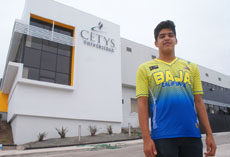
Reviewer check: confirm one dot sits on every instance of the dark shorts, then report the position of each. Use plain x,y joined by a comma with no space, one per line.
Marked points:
179,147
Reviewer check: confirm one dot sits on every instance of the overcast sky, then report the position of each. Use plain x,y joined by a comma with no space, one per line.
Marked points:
203,26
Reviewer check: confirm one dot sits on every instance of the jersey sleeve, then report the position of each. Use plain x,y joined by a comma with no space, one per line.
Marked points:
197,86
142,82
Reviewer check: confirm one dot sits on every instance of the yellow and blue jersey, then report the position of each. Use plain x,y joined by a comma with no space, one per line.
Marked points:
170,88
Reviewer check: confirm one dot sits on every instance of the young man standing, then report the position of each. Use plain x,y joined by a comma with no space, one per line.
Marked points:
169,90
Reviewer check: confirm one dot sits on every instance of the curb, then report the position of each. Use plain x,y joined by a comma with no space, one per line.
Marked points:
83,144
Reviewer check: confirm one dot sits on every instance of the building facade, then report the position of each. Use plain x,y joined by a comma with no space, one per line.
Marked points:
70,69
62,70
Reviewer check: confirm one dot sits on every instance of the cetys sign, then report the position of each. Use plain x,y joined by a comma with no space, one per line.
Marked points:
98,38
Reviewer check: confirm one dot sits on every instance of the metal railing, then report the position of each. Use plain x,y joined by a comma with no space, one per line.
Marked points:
43,33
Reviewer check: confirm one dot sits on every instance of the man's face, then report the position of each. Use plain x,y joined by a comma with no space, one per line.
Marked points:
166,40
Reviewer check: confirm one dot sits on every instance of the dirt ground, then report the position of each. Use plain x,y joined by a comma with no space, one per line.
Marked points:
6,137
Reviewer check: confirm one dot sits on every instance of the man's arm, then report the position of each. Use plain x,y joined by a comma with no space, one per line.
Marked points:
203,118
143,115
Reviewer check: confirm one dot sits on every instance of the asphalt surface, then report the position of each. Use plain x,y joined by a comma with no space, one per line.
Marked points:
132,151
114,149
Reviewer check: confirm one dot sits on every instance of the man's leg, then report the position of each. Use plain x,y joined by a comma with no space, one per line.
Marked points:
167,147
191,147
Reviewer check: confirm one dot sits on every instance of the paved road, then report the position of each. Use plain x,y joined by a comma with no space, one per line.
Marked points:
130,151
127,149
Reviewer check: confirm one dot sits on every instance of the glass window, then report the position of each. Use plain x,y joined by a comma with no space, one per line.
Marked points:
63,30
36,43
41,24
228,110
203,83
64,50
128,49
32,57
47,79
206,106
36,24
33,42
48,26
63,64
28,41
48,61
62,78
19,56
49,46
134,105
216,109
47,74
153,57
33,73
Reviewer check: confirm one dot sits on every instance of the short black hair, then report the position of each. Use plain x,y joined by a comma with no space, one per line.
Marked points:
164,24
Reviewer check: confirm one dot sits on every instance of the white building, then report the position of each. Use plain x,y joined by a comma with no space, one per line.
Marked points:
69,68
63,69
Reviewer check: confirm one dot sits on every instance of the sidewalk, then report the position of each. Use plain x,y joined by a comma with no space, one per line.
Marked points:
220,138
222,141
223,144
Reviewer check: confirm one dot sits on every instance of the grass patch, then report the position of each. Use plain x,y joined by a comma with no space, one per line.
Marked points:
3,140
105,146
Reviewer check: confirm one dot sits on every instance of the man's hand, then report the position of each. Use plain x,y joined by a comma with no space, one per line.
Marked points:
143,116
211,146
203,118
150,148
